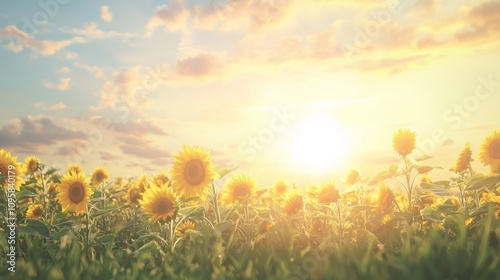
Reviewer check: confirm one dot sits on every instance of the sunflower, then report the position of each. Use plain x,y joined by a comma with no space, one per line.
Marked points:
240,187
352,177
52,188
142,182
160,178
99,175
192,171
8,164
279,188
134,195
35,211
464,159
159,203
386,200
328,194
183,227
74,192
489,153
425,179
73,167
403,141
293,203
31,165
311,192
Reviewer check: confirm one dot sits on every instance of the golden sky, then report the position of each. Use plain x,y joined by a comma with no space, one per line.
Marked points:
302,90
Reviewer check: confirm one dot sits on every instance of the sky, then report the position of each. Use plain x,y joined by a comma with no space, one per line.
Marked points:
294,89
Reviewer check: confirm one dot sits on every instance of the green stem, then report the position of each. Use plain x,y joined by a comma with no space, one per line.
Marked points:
215,202
410,190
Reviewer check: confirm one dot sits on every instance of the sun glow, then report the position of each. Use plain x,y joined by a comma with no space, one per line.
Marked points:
319,144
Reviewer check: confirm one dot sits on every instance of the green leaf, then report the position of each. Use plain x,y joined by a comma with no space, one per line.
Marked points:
482,183
222,226
25,194
423,157
424,169
382,176
35,227
150,247
50,171
366,238
436,189
224,171
191,210
481,210
106,211
431,214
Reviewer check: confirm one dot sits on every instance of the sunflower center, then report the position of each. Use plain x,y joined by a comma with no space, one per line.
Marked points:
33,166
194,172
163,207
241,191
76,192
99,176
38,212
494,149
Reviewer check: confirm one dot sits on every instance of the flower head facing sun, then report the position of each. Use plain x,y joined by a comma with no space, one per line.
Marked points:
192,171
74,192
134,195
293,203
328,194
159,204
403,141
385,199
10,168
31,165
100,175
489,152
279,188
184,227
352,177
160,178
35,211
239,188
73,168
464,159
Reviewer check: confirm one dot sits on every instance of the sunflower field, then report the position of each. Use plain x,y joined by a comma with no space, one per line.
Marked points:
196,221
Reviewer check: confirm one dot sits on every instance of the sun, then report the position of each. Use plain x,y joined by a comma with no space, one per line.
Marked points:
318,144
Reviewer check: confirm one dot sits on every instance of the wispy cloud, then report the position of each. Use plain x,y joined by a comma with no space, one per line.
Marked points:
62,85
106,14
24,40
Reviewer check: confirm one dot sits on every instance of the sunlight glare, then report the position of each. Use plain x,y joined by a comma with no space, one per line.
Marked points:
319,144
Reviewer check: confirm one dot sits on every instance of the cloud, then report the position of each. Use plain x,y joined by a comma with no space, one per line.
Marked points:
62,85
106,14
140,148
108,156
34,133
92,31
171,17
53,107
24,40
137,127
98,72
64,70
199,65
131,86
